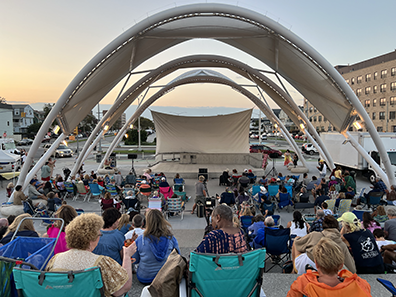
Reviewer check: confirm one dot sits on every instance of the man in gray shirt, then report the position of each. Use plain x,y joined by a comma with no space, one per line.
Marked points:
390,225
33,193
200,192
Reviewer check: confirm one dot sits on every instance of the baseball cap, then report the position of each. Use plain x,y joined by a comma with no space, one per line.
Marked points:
348,217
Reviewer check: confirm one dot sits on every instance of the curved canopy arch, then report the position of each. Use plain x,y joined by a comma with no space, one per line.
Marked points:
287,54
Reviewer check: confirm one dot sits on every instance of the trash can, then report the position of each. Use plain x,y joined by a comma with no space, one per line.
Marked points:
113,161
98,157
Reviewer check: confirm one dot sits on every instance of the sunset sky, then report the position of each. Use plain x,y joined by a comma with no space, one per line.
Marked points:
44,44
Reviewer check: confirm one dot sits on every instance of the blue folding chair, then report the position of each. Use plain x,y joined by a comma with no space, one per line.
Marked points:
388,285
289,189
359,214
31,283
246,221
95,191
71,190
374,199
270,207
284,200
277,220
277,244
112,190
178,181
273,190
255,189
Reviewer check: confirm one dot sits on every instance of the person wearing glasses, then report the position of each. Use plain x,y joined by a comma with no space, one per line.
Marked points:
82,236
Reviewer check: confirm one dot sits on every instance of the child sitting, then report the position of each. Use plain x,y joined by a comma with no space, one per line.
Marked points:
326,210
138,226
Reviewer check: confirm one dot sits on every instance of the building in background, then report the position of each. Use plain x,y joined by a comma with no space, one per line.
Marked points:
39,116
123,119
6,123
374,83
23,117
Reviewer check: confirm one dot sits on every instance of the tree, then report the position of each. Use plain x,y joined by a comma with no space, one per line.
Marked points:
133,137
88,123
3,100
47,108
145,123
33,129
117,125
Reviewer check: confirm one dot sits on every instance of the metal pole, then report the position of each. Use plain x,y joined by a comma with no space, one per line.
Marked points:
259,126
139,146
78,149
100,139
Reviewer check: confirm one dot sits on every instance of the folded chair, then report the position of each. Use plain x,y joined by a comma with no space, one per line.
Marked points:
32,283
388,285
277,243
226,275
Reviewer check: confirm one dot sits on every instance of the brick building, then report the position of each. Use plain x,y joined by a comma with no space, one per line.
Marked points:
374,83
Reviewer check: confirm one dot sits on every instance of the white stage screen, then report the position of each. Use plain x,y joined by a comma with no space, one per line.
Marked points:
218,134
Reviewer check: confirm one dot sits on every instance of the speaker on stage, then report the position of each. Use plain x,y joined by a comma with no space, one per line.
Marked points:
132,156
205,175
203,170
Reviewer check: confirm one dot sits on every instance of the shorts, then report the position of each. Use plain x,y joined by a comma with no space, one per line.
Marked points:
46,178
200,199
301,261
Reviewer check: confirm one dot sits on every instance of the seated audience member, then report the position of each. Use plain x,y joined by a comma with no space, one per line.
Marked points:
350,193
225,238
369,223
332,182
108,202
306,179
101,188
33,193
259,240
242,197
154,246
82,236
298,226
302,250
364,249
349,181
251,176
67,213
138,226
86,180
245,210
333,193
3,227
338,174
380,214
106,179
379,236
147,175
243,181
163,183
130,179
317,224
26,229
257,223
227,197
93,175
112,240
313,183
390,225
321,188
320,199
386,247
19,196
328,280
131,201
326,211
391,195
118,178
339,198
10,189
123,224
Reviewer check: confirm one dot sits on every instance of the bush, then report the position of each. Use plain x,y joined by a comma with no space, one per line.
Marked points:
133,137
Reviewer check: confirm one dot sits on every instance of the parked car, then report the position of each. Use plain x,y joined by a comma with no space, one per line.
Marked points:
259,148
61,151
46,139
254,136
263,137
308,148
25,141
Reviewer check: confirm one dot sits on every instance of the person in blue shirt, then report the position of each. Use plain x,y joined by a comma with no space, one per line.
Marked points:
227,197
259,240
112,240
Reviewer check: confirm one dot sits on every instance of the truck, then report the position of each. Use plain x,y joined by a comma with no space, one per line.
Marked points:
346,156
8,145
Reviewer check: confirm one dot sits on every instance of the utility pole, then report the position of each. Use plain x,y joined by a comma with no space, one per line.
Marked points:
100,140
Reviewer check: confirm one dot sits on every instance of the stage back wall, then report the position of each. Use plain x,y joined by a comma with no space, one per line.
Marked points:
217,134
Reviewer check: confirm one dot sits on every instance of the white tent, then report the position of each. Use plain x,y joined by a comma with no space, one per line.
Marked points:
7,157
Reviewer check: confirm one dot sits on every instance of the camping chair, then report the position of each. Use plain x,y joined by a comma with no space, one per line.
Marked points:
30,283
284,200
255,189
359,214
277,220
156,181
246,221
345,205
289,189
388,285
183,195
223,179
273,190
70,189
113,191
178,181
175,207
331,204
145,190
95,191
216,275
81,191
155,203
166,191
270,207
277,244
374,199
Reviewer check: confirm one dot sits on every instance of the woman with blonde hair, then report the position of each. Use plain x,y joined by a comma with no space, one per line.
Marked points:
368,259
67,213
26,229
154,247
123,224
82,236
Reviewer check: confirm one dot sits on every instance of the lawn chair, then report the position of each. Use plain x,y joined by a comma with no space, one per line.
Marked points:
331,204
255,189
388,285
183,195
277,244
345,205
156,181
277,220
81,191
246,221
374,199
166,191
31,283
289,189
359,214
217,275
155,203
178,182
71,191
284,200
175,206
270,207
273,190
95,191
113,191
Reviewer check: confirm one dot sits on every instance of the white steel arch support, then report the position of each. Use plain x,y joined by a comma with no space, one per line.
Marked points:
207,79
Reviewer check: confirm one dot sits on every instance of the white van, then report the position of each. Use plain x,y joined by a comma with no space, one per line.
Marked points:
8,145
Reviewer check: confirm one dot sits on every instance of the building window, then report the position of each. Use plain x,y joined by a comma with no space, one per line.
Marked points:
324,119
393,86
315,110
358,92
375,75
334,129
16,111
367,90
374,102
314,118
347,81
383,101
383,73
319,118
359,79
367,103
392,115
392,100
393,71
8,123
380,129
393,128
322,128
310,119
383,88
382,115
352,81
310,109
375,89
368,77
373,117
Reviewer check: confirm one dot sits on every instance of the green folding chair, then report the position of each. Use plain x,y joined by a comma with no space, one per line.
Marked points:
225,275
32,283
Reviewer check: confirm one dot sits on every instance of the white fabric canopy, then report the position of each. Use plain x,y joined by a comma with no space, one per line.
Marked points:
218,134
